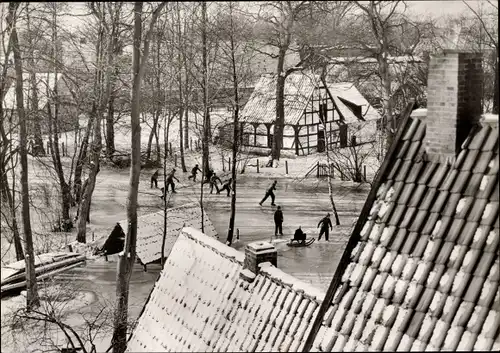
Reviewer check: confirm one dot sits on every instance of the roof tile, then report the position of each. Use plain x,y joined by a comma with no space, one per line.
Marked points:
439,176
439,333
442,227
406,193
405,145
462,156
470,160
397,214
387,235
430,225
491,142
395,167
415,324
461,181
449,180
409,243
446,281
451,205
393,340
417,195
482,161
410,129
490,213
479,137
408,217
428,200
427,328
435,276
415,172
403,171
450,308
419,249
429,171
419,134
467,233
473,185
418,221
467,341
399,264
492,241
437,304
440,201
412,151
452,338
425,300
477,319
368,278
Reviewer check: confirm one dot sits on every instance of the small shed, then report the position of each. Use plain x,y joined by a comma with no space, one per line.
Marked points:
314,114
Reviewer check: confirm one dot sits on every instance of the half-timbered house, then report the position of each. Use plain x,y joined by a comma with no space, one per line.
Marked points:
315,115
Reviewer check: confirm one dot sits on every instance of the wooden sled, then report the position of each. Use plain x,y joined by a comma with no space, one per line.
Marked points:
297,243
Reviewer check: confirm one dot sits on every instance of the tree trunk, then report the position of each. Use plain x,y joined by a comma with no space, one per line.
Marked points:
82,156
32,298
496,93
230,232
206,126
182,97
280,108
127,257
110,126
37,148
84,207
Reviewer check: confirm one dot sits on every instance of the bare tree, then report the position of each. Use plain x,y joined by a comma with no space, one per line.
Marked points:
127,258
32,297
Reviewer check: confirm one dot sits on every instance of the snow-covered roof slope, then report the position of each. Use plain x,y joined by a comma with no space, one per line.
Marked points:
424,272
200,303
150,230
348,92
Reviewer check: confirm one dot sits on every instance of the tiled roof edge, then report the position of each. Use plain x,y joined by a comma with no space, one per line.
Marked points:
215,245
353,240
277,275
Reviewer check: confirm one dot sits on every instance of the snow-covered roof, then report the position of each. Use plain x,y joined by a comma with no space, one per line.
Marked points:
299,87
261,106
201,303
44,81
424,270
150,230
347,91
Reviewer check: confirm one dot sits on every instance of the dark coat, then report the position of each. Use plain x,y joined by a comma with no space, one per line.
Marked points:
325,223
278,216
271,188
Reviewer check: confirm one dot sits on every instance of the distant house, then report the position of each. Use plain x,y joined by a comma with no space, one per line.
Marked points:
314,114
421,269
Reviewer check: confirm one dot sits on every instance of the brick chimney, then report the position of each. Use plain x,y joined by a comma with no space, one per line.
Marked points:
259,252
454,92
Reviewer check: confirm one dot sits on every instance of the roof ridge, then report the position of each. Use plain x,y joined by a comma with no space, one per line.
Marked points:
279,276
213,244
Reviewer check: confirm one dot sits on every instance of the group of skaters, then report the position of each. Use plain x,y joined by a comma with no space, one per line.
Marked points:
325,224
211,178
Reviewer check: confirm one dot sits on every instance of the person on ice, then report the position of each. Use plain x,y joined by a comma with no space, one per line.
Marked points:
213,182
208,175
227,186
194,171
154,179
326,225
278,221
170,181
270,192
299,235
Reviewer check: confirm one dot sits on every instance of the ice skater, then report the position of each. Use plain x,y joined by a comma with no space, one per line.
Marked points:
154,179
213,182
326,225
170,181
194,171
278,221
270,192
227,186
